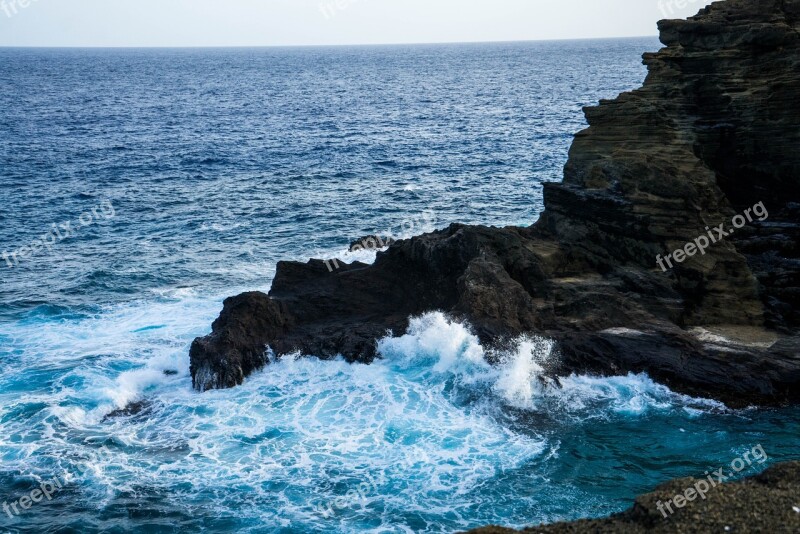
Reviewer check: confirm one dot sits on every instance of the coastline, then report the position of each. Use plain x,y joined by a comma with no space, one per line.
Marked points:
705,141
695,150
767,502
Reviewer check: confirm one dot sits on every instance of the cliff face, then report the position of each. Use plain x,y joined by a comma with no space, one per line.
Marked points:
712,134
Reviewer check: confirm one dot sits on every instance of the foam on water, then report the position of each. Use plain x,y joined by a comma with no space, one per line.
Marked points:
303,428
423,440
452,349
519,380
429,439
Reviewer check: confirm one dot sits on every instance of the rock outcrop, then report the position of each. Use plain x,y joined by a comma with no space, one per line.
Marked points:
712,133
769,502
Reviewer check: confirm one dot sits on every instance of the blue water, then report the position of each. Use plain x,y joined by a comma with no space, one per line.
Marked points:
185,176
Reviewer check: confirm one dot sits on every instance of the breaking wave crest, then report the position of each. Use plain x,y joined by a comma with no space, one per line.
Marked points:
429,438
435,346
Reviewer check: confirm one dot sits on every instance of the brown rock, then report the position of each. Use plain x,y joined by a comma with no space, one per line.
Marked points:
764,503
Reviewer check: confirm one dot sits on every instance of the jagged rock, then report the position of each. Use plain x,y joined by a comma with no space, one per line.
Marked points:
142,407
711,134
765,503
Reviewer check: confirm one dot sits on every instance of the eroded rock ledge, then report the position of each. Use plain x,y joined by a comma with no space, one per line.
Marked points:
769,502
713,131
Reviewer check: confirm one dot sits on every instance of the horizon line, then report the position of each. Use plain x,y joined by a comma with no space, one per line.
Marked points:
430,43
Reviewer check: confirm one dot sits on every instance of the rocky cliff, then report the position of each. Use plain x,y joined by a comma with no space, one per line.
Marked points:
712,134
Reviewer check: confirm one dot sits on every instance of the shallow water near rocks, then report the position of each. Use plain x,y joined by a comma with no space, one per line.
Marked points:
218,163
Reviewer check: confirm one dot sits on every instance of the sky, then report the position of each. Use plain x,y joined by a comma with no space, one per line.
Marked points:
325,22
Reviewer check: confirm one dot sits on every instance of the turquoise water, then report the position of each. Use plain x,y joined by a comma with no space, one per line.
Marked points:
217,163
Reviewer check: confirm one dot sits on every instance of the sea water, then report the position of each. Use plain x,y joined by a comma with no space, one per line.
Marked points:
195,171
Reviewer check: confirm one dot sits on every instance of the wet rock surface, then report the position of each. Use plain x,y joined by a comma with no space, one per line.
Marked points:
769,502
712,133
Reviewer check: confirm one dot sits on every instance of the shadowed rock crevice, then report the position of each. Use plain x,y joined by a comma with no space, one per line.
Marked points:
711,133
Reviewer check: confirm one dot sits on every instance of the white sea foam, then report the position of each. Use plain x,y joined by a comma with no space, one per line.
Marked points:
417,431
519,380
449,345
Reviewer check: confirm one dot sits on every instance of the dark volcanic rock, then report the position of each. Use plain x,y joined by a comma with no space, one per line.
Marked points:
711,134
132,409
769,502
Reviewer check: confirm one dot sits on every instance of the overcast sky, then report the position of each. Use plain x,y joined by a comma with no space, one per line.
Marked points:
317,22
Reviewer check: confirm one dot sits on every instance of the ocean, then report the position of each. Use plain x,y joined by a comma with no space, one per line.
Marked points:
140,187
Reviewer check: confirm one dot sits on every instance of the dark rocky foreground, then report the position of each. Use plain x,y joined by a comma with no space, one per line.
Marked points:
714,131
769,502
